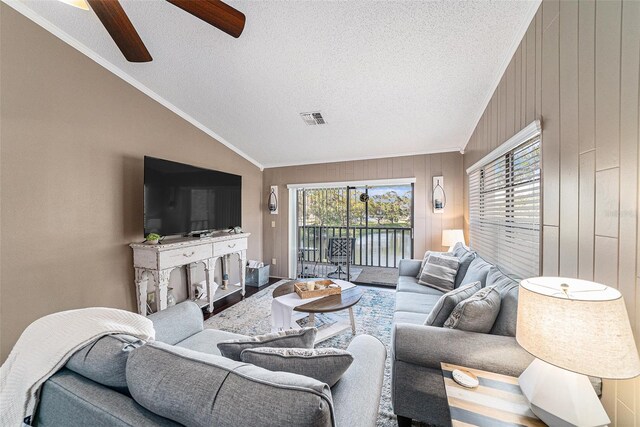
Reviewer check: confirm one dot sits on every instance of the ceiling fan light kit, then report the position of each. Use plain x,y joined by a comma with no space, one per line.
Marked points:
125,36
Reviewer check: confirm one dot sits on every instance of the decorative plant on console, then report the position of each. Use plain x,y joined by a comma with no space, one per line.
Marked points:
153,238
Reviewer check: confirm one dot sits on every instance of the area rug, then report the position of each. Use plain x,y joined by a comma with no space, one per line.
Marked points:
373,315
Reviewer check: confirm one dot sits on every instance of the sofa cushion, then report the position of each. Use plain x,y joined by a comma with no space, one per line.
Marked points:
68,399
465,261
477,313
198,389
409,317
439,272
477,272
506,321
324,364
410,284
207,340
291,338
449,301
416,303
104,360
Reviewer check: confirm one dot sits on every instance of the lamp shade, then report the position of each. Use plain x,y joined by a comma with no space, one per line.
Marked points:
451,237
577,325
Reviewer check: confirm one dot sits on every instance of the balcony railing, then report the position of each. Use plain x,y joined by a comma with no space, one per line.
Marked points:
374,246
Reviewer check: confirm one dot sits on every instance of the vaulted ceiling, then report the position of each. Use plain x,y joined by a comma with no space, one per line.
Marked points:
390,77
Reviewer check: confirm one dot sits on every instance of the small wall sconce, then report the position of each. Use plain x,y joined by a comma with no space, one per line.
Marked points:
439,198
273,200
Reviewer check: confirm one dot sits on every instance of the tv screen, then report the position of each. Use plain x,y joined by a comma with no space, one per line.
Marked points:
184,199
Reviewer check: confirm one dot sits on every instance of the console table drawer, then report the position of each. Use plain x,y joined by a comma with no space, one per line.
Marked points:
230,246
176,257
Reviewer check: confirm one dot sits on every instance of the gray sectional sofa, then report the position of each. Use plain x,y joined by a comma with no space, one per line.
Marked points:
417,350
182,379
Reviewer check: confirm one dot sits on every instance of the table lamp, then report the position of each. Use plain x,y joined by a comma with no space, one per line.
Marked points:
574,328
451,237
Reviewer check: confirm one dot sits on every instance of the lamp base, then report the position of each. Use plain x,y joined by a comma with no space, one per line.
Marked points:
560,397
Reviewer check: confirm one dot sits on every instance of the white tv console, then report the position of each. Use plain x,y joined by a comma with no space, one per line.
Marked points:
155,263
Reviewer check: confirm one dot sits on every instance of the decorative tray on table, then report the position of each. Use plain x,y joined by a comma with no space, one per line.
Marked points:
316,288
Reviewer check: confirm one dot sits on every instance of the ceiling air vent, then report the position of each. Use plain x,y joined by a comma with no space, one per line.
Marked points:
313,119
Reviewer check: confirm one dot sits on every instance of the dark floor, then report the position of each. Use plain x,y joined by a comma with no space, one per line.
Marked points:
235,298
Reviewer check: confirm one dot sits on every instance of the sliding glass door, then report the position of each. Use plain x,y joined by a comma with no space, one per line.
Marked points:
353,233
325,245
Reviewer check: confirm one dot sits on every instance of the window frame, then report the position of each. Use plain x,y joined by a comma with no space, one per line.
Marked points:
507,150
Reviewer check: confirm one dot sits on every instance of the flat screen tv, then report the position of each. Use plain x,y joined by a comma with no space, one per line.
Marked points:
183,199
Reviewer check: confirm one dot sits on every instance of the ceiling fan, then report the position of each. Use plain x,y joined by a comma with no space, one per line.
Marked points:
115,20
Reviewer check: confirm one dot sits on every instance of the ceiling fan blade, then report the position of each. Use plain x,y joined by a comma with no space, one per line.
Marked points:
117,23
219,14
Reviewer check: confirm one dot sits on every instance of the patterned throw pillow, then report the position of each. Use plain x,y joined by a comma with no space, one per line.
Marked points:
426,257
291,338
323,364
448,302
477,313
439,272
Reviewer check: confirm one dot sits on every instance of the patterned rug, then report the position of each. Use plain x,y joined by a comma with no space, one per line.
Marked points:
373,315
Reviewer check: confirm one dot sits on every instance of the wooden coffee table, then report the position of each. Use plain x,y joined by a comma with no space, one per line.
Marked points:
329,304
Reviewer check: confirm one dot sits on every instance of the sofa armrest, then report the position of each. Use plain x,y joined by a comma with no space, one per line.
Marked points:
429,345
409,267
177,323
357,395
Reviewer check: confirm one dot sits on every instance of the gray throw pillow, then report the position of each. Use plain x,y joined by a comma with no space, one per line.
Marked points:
477,272
465,261
105,360
426,257
291,338
439,272
506,321
324,364
449,301
459,249
477,313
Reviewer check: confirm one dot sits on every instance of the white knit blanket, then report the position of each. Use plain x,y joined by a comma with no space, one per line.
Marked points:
46,345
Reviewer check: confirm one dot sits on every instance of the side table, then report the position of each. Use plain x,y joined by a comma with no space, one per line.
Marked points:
498,400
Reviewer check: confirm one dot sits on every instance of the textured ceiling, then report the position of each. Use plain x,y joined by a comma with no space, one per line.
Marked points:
390,78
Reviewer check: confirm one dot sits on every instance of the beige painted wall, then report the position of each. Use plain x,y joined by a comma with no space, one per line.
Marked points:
428,226
73,139
578,69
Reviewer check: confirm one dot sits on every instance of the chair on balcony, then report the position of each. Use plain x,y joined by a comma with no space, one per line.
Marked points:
338,251
310,256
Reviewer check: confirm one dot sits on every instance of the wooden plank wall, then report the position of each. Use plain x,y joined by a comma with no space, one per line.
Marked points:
428,226
577,68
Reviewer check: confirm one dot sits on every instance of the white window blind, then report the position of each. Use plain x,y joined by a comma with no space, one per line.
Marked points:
504,209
